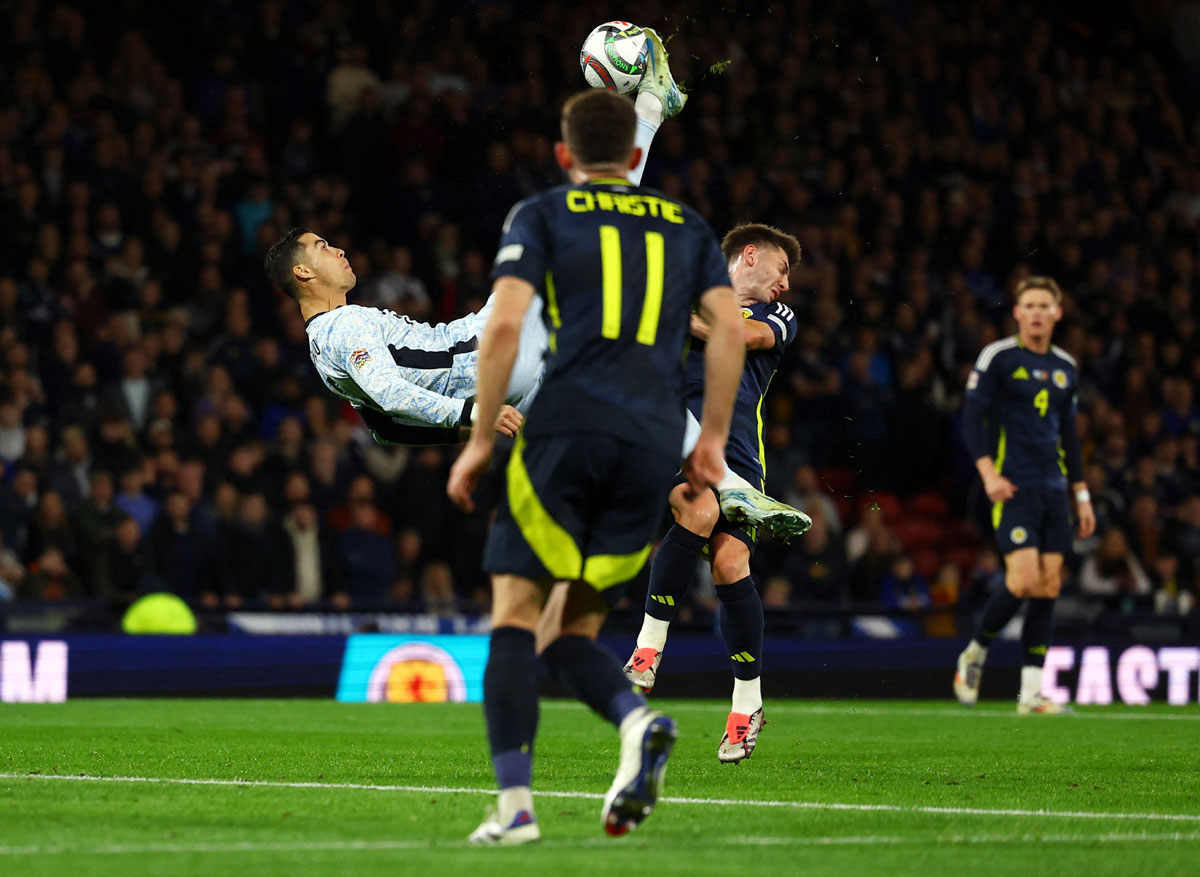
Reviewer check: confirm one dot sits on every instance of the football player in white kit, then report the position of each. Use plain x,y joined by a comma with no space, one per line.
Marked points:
414,384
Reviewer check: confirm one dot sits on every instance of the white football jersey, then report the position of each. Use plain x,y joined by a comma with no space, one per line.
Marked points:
415,373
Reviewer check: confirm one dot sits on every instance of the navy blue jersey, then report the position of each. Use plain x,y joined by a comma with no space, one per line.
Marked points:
618,317
1020,410
745,446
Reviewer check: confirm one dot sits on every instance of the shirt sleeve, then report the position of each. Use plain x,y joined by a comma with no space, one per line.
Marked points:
782,321
981,392
522,251
362,355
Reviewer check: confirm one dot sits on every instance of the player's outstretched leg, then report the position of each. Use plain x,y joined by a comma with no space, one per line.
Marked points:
742,503
658,80
745,505
671,573
647,737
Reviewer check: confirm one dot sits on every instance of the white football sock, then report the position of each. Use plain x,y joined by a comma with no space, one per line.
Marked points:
1031,683
975,652
747,695
512,801
649,111
653,634
733,481
634,716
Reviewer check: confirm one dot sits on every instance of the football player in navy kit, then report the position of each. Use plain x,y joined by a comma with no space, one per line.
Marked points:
619,270
760,258
1019,427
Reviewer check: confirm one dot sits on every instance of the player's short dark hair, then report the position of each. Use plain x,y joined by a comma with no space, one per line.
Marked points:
598,126
1046,283
284,255
741,236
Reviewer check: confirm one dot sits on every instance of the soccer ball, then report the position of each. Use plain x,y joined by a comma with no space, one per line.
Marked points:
614,56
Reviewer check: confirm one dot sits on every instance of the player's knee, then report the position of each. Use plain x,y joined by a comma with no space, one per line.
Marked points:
1049,585
703,520
729,566
1023,584
698,514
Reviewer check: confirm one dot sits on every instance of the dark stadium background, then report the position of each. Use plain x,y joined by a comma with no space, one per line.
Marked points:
928,155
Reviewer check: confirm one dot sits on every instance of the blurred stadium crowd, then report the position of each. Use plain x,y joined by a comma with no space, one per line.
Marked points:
161,426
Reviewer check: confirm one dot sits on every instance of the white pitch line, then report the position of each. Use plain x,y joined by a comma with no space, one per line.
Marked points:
951,712
964,712
718,802
389,845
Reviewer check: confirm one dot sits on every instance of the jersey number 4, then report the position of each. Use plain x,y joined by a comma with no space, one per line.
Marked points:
1042,401
610,264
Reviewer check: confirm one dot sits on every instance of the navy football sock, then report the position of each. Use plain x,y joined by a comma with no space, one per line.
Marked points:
593,675
742,627
998,612
1035,634
671,572
510,704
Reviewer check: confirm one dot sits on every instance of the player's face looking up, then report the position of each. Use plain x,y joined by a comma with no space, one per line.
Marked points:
324,263
1036,312
760,273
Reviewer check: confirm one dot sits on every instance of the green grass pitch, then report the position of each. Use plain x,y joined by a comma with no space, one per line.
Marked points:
129,787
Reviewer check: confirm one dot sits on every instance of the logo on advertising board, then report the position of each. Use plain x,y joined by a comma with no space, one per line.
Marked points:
382,668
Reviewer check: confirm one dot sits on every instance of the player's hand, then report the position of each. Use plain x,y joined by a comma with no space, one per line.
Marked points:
509,422
699,328
1000,489
704,466
1087,519
465,473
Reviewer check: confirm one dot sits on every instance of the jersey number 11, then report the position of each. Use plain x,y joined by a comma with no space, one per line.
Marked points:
610,264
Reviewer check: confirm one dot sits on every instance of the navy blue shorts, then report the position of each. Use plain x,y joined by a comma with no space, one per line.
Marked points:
579,506
1037,517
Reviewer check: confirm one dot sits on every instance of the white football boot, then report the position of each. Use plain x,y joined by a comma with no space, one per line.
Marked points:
646,740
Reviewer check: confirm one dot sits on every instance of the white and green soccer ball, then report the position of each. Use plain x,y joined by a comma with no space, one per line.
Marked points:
614,56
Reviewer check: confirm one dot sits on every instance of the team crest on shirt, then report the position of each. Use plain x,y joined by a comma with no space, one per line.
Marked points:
360,358
1060,379
1018,535
747,313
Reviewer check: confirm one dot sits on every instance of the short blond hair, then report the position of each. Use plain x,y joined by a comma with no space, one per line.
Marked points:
1047,283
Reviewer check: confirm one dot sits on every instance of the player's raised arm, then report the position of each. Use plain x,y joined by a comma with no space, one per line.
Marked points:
756,334
497,353
369,367
724,358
